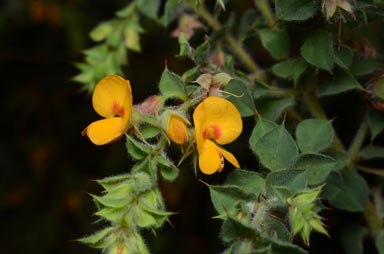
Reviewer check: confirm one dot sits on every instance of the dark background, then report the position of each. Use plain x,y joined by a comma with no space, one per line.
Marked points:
45,163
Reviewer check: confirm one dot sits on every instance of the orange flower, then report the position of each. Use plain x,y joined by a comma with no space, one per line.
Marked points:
216,119
112,99
177,130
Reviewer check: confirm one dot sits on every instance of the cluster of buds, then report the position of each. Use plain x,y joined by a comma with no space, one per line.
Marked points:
213,84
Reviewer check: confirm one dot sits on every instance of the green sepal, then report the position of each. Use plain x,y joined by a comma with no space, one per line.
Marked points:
137,149
167,169
96,237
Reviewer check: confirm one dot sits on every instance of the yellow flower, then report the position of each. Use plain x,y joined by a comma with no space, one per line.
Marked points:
218,119
112,99
177,130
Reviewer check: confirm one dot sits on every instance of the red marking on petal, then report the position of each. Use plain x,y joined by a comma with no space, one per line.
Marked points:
117,109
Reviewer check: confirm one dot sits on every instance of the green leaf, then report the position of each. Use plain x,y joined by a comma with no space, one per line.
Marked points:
171,85
137,149
282,193
111,214
314,135
363,67
149,131
317,167
375,123
277,229
299,67
112,202
97,237
167,169
277,149
149,7
261,128
261,88
294,180
272,108
202,53
283,69
100,32
332,185
250,182
114,37
290,10
352,238
244,103
111,182
225,197
281,247
379,241
343,58
277,42
126,12
341,81
372,152
353,193
318,50
185,48
172,9
233,228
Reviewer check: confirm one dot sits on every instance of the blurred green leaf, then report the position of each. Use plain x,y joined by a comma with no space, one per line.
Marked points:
233,229
185,48
283,69
379,242
137,149
294,180
167,169
375,123
202,53
299,67
343,58
97,237
372,152
363,67
353,193
149,7
276,149
314,135
341,81
291,10
352,238
277,42
318,50
101,31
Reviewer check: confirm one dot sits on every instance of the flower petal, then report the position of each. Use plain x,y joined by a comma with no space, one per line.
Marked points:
217,118
113,96
105,131
209,158
177,130
229,157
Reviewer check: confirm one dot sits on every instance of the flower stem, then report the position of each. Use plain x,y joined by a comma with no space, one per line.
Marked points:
358,140
373,171
266,11
235,45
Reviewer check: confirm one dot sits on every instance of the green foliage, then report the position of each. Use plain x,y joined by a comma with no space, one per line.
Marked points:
318,50
171,85
276,42
314,135
241,97
291,10
372,152
340,82
375,123
276,149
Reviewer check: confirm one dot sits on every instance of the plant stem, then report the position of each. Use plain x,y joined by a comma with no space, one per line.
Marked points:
318,112
373,171
235,45
358,140
266,11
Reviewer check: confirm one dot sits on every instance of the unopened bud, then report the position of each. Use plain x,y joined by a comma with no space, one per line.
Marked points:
205,80
222,79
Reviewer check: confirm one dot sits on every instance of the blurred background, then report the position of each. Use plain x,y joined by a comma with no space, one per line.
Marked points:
46,165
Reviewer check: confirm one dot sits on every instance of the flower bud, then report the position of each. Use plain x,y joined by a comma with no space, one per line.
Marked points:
177,130
330,6
149,106
205,80
222,79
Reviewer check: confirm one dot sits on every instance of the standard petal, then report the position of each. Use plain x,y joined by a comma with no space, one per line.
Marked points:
217,118
105,131
229,157
113,96
209,158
